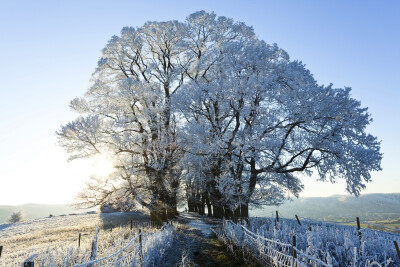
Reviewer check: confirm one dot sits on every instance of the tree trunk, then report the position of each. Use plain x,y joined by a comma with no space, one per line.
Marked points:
163,214
228,213
154,217
190,205
201,209
237,214
218,211
244,210
172,213
202,204
158,212
158,215
209,211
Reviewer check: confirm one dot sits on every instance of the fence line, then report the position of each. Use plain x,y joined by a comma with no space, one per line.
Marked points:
266,245
279,257
37,250
112,255
135,224
122,249
396,231
311,257
260,237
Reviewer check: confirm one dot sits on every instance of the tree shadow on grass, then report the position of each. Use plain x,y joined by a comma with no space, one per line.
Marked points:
124,219
4,226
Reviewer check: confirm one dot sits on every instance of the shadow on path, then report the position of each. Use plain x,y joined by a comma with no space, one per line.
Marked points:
196,245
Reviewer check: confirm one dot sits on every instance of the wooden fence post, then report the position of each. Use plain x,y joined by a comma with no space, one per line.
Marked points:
93,253
294,250
397,248
1,249
359,228
140,246
29,262
297,218
277,216
79,240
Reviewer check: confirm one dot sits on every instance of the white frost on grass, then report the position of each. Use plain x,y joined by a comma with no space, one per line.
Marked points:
21,240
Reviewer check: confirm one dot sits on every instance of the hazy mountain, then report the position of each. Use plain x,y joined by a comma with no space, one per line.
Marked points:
34,211
339,207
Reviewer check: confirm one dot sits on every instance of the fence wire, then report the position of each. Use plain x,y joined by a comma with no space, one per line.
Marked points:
121,257
128,251
267,251
115,253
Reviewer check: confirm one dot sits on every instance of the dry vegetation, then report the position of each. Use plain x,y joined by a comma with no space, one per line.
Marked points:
57,235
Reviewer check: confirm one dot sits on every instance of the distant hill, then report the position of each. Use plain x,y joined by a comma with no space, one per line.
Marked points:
339,207
34,211
334,208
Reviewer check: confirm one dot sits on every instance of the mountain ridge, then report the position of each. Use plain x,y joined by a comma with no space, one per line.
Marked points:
375,206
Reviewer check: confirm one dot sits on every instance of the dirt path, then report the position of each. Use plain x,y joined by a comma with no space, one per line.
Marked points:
196,245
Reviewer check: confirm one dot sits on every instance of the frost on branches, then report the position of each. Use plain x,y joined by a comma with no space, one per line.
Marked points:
205,106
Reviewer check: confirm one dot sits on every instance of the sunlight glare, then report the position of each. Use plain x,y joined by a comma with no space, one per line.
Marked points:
102,166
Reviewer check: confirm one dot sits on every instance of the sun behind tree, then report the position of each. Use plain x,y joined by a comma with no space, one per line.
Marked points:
206,103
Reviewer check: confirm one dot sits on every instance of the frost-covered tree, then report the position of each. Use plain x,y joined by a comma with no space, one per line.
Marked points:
261,122
219,115
207,102
127,111
16,216
315,128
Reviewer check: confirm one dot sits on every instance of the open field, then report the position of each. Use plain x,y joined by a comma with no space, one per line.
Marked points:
57,235
395,224
55,241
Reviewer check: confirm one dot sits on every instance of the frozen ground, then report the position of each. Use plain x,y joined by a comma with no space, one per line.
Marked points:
193,242
21,240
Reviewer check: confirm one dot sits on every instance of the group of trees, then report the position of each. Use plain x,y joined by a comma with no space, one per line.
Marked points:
203,110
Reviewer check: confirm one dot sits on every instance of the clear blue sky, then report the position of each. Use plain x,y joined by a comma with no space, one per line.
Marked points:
49,49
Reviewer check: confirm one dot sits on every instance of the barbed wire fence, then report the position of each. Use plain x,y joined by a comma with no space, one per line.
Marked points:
266,250
269,251
27,256
133,250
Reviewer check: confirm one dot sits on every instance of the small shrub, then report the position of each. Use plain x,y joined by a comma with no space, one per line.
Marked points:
16,216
